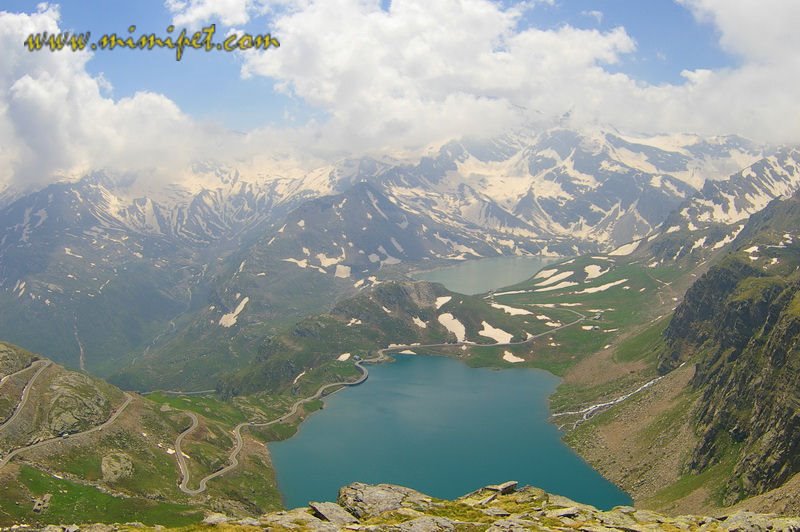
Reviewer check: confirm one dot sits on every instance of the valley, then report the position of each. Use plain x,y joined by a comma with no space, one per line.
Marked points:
454,266
268,416
228,342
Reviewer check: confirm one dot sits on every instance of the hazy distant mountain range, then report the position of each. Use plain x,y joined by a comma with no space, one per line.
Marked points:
97,274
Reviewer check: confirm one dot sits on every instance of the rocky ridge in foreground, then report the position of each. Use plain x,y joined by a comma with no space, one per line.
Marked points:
493,508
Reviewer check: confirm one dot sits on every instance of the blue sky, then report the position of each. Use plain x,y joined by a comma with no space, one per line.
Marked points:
205,85
209,86
668,37
385,78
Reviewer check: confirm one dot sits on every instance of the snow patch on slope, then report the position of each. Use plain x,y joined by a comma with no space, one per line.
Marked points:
498,335
229,320
453,325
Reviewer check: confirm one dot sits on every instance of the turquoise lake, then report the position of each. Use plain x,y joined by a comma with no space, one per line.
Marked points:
479,276
439,426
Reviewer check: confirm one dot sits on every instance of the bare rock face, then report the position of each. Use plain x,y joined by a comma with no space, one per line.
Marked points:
364,500
76,403
13,359
384,507
328,511
116,466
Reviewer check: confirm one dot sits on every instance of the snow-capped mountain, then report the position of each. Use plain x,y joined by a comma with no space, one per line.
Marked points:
106,262
593,189
715,215
747,191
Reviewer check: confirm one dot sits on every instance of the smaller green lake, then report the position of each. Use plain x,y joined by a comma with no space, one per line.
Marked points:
438,426
479,276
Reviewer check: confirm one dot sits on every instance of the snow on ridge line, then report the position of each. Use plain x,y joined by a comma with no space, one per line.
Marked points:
512,292
442,301
397,245
326,261
699,243
301,263
453,325
498,335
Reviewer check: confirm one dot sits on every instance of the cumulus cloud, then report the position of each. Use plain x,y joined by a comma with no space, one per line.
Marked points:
426,71
389,80
756,30
55,119
196,13
423,71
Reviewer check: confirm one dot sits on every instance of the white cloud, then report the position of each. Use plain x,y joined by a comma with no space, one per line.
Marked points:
56,121
425,71
196,13
420,73
756,30
597,15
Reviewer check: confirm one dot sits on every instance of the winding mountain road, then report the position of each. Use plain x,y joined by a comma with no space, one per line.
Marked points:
233,459
7,458
25,391
23,370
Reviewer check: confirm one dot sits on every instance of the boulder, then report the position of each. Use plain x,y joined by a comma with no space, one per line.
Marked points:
364,500
332,512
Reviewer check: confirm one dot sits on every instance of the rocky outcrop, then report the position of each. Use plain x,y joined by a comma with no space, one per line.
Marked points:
385,507
740,325
697,319
76,402
116,466
397,509
392,508
332,512
366,501
13,358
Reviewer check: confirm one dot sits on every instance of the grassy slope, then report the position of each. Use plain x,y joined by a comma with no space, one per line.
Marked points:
143,435
646,443
624,322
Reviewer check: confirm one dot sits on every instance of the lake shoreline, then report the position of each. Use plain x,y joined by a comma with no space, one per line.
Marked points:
482,275
415,424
